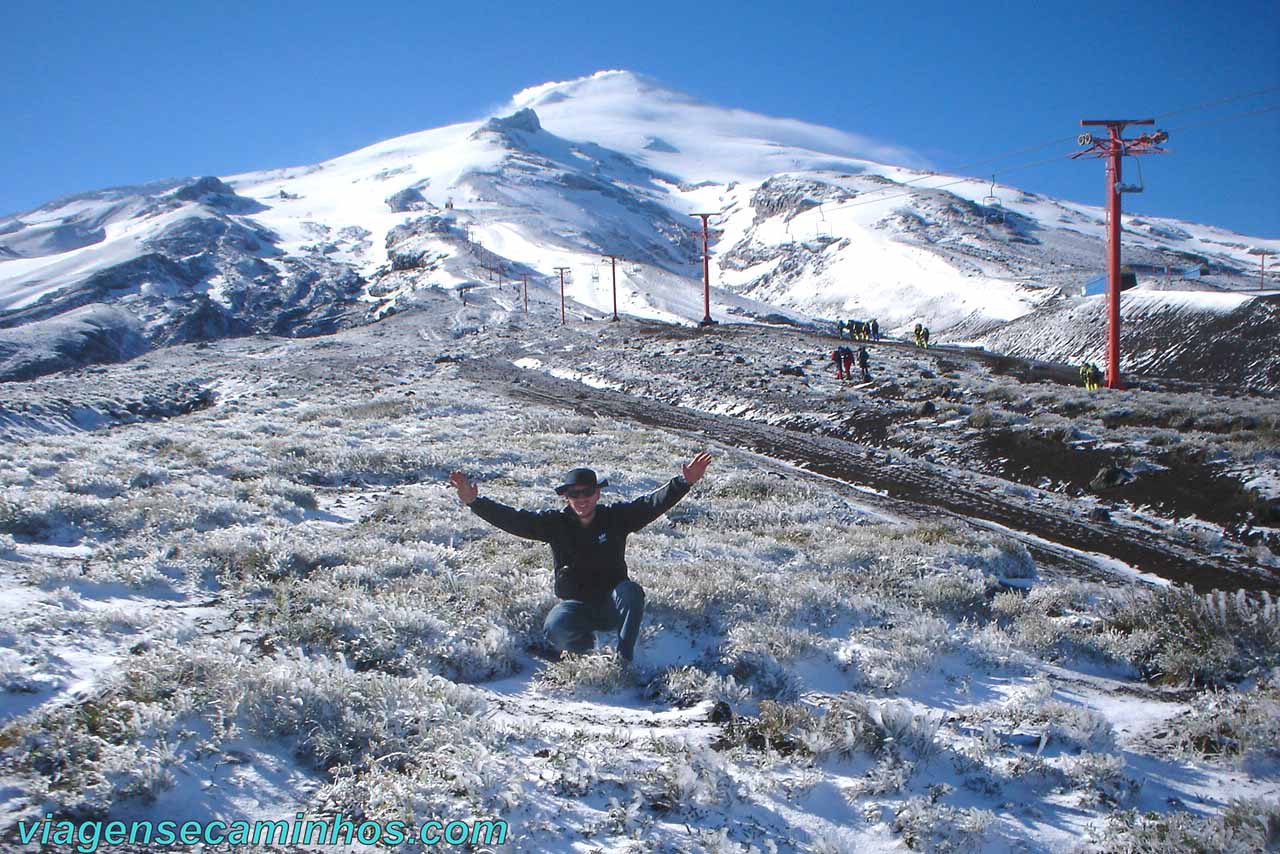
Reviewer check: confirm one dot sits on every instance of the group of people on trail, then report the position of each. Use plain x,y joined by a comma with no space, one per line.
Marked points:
1090,376
922,336
588,544
843,358
859,330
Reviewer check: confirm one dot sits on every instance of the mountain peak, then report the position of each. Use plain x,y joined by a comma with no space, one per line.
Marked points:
525,120
610,83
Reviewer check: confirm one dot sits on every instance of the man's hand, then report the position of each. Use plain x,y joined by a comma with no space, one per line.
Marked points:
467,491
693,470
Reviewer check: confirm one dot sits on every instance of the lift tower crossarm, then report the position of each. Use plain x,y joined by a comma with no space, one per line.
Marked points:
1114,147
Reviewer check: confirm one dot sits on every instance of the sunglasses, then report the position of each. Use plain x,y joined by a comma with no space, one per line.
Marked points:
580,492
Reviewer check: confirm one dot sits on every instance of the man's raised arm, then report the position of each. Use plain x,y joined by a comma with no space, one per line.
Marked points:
522,523
645,509
467,491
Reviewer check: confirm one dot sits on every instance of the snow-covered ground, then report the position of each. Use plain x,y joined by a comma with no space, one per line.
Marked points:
262,599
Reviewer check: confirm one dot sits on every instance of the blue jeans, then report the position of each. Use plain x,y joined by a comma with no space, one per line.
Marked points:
572,624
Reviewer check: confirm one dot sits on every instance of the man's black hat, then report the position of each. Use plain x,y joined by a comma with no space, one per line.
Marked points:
580,477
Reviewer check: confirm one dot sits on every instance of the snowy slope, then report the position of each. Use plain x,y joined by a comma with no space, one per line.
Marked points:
809,220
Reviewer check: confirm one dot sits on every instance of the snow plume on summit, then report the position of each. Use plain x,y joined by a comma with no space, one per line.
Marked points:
677,133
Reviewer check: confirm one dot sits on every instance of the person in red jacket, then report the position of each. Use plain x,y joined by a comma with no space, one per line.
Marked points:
588,544
837,356
847,357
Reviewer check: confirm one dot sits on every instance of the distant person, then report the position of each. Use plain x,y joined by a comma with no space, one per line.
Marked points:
588,544
864,362
875,329
847,358
1095,377
837,356
924,337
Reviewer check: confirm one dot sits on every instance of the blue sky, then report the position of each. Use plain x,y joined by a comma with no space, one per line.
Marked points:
101,94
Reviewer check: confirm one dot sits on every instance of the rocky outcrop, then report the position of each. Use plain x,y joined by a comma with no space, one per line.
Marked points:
214,193
408,199
524,121
92,333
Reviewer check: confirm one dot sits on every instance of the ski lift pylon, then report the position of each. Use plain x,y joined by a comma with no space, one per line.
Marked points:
992,205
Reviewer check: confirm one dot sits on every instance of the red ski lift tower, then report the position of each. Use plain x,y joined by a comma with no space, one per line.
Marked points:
562,271
613,259
706,274
1114,147
1262,252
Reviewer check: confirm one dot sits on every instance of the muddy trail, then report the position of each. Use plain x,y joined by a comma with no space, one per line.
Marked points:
911,489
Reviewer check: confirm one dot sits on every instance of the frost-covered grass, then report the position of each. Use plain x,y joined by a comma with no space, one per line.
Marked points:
835,674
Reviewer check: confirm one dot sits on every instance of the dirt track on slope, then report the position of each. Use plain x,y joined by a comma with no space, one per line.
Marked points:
912,489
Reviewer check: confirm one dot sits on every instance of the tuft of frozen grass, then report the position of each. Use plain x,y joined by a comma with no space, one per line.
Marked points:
1175,635
686,686
1230,724
926,825
841,729
901,727
888,776
1100,778
889,655
689,778
300,496
123,741
15,674
957,592
597,672
995,647
758,653
1033,707
1244,827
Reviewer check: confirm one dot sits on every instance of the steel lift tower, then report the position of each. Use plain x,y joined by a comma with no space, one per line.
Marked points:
706,274
613,260
1114,147
561,271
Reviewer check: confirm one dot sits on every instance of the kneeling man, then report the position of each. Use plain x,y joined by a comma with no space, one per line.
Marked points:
588,544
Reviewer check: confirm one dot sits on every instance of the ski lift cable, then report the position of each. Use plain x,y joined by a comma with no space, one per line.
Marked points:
1071,139
935,174
1218,102
1018,168
1226,119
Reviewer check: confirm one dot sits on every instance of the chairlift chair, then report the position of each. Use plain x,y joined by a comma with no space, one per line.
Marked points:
1130,188
992,205
823,228
595,274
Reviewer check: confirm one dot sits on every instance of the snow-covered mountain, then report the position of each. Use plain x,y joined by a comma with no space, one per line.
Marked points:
811,223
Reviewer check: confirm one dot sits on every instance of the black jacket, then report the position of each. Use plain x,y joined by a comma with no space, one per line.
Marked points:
589,561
